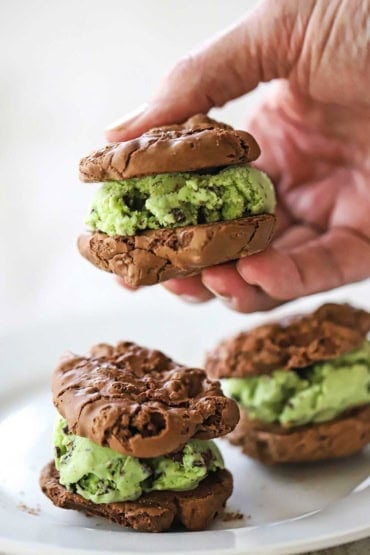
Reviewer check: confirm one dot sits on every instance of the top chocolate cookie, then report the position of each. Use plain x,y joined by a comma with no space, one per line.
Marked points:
197,144
138,401
330,331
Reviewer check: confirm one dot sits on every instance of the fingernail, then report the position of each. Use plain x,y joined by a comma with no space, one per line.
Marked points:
190,299
218,295
126,120
230,302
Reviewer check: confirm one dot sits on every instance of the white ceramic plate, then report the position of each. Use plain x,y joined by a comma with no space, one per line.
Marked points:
286,510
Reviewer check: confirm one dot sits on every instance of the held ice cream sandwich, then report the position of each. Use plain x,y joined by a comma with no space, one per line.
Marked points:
133,439
176,200
303,385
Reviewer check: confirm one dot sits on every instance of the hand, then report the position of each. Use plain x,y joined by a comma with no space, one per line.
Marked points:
313,127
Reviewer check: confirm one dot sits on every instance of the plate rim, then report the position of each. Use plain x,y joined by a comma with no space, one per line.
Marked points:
18,547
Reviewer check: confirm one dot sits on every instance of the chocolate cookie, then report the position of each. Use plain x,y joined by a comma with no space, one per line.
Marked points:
197,144
152,512
273,444
161,254
330,331
138,401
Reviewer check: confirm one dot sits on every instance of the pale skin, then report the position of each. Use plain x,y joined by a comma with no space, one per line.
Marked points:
313,126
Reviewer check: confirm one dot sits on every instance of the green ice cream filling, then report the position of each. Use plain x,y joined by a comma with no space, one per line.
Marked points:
105,476
180,199
318,393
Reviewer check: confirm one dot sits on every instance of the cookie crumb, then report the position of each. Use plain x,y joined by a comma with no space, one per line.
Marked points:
228,516
35,511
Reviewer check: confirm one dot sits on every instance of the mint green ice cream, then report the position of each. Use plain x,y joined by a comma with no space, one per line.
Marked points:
311,395
105,476
180,199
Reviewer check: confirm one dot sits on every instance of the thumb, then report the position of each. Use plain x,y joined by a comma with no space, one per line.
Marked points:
261,47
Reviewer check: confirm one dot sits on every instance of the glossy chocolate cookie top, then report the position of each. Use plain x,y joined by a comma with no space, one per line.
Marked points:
330,331
138,401
200,143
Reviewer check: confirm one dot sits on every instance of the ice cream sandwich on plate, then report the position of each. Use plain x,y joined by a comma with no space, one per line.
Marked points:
303,385
176,200
133,439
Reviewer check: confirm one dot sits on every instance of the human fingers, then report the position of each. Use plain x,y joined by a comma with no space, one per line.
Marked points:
261,47
226,283
337,257
189,289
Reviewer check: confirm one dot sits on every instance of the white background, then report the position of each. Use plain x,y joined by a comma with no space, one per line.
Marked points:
66,70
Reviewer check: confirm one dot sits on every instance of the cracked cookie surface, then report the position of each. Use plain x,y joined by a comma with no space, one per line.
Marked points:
198,143
138,401
161,254
330,331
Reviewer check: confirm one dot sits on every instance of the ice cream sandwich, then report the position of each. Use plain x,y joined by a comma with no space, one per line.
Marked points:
303,385
176,200
133,439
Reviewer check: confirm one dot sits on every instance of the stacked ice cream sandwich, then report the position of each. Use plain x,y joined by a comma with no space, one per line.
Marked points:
176,200
133,439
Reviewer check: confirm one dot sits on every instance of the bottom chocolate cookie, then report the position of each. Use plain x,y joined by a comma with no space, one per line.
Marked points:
273,444
152,512
160,254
